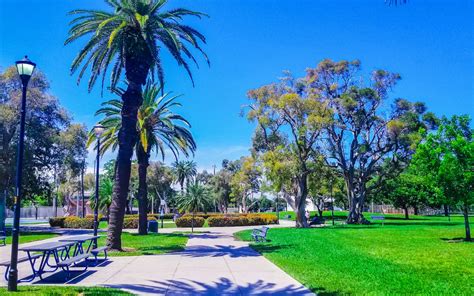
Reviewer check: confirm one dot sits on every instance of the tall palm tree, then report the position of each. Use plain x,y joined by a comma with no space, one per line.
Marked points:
184,171
197,198
130,39
158,128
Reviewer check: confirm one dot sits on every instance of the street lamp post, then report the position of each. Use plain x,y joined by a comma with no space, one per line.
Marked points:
98,130
25,69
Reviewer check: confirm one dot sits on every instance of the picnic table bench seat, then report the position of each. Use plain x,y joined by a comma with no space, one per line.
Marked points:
97,251
260,234
66,264
7,263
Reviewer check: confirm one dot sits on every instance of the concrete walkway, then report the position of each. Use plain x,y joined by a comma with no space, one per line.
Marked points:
213,263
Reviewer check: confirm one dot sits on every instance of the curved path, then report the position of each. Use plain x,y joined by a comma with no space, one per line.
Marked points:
213,263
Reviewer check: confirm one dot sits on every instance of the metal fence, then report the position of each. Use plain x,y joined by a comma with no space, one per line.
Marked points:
38,212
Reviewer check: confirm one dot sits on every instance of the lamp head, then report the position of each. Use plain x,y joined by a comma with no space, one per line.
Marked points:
25,69
99,130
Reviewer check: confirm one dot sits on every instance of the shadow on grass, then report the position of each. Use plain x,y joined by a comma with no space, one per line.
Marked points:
456,240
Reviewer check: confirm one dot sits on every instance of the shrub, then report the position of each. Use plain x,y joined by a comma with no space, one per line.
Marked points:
101,217
132,222
242,220
186,221
76,222
204,215
156,216
57,221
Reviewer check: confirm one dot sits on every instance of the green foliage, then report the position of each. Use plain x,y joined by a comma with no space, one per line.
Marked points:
51,140
134,31
151,244
76,222
189,221
184,171
57,221
400,258
158,127
132,222
241,220
445,160
65,291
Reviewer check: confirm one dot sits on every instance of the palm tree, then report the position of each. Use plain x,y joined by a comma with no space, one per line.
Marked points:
130,39
105,196
184,171
195,199
158,127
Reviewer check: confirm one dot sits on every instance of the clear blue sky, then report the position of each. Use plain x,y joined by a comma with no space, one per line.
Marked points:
430,43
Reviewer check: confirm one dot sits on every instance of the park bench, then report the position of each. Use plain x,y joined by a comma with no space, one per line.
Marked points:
260,234
317,221
381,218
3,237
31,259
66,264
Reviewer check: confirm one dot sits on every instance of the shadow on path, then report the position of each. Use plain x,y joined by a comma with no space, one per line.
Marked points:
223,286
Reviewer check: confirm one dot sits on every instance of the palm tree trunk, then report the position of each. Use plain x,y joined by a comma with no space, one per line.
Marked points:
143,162
127,139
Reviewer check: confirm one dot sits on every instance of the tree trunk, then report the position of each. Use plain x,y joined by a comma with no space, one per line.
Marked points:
466,222
415,210
446,210
406,213
143,163
127,139
356,197
3,204
300,201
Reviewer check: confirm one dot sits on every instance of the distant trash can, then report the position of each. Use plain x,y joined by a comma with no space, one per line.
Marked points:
153,226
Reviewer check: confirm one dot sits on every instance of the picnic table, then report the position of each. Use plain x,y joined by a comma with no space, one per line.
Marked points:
59,251
79,240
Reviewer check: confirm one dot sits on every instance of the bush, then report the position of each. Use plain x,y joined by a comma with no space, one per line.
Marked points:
101,217
57,221
242,220
76,222
187,221
204,215
132,222
156,216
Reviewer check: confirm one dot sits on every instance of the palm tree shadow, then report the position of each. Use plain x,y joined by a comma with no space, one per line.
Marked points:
222,286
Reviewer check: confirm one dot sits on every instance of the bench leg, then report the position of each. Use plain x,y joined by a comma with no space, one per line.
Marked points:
6,272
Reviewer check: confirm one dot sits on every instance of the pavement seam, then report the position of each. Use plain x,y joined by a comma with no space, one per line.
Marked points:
175,270
130,262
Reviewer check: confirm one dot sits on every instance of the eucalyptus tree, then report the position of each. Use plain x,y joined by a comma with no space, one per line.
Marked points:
289,110
129,39
184,171
158,128
361,136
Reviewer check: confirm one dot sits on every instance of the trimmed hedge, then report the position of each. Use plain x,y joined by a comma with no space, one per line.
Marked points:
156,216
57,221
132,222
242,220
205,216
76,222
186,221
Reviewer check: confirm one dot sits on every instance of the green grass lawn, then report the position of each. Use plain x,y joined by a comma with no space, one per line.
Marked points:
151,244
419,256
63,291
26,237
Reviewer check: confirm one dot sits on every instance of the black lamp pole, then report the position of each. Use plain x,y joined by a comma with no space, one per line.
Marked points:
82,188
98,129
25,69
